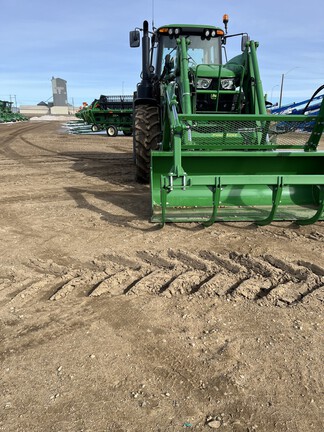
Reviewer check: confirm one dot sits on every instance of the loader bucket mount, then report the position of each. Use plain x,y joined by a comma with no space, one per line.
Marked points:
241,168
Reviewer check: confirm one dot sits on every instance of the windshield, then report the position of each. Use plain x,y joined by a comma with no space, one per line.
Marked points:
200,51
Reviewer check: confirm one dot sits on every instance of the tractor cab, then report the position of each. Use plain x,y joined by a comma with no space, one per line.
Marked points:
201,49
214,88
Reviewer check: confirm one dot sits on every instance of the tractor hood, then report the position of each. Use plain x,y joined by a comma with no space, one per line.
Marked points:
212,71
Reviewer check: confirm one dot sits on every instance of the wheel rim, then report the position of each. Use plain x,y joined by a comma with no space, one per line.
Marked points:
111,131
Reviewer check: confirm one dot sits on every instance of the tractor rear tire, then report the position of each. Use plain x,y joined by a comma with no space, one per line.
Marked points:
112,131
146,138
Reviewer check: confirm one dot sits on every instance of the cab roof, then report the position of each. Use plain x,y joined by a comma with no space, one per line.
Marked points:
189,29
189,26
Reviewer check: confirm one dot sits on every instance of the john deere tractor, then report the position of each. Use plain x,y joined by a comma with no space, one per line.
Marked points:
204,140
7,114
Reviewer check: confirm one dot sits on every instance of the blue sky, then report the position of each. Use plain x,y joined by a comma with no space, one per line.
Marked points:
87,43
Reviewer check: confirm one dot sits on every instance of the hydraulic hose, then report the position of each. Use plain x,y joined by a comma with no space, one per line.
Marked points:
313,96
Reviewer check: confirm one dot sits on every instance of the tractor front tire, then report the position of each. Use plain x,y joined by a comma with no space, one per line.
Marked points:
146,138
94,128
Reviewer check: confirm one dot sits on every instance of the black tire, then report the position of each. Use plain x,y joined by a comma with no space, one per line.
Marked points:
94,128
112,131
127,133
146,138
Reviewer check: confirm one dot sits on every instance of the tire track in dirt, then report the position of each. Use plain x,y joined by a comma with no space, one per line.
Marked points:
8,136
240,277
315,235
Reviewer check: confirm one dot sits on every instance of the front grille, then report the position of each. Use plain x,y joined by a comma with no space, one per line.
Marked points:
247,134
223,103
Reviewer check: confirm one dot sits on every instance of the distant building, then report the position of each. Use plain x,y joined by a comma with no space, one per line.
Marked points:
34,110
59,106
59,92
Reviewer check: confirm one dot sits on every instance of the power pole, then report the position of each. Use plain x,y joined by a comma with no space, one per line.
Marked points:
281,89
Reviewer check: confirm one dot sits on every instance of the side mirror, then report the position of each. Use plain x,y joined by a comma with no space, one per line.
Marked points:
244,41
134,38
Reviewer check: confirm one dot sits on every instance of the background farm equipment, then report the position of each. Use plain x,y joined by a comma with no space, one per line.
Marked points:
310,107
204,139
112,113
7,114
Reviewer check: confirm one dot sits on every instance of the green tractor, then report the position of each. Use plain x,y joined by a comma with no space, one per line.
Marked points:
204,140
7,114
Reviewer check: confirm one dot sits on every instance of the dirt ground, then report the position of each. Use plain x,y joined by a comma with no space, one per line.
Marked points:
109,323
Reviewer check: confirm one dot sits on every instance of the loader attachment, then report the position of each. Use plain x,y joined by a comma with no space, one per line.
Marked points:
204,137
256,168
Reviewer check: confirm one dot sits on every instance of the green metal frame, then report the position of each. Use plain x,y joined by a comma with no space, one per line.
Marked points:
121,118
213,176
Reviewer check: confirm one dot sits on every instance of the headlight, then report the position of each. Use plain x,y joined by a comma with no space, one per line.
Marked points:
227,84
203,83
